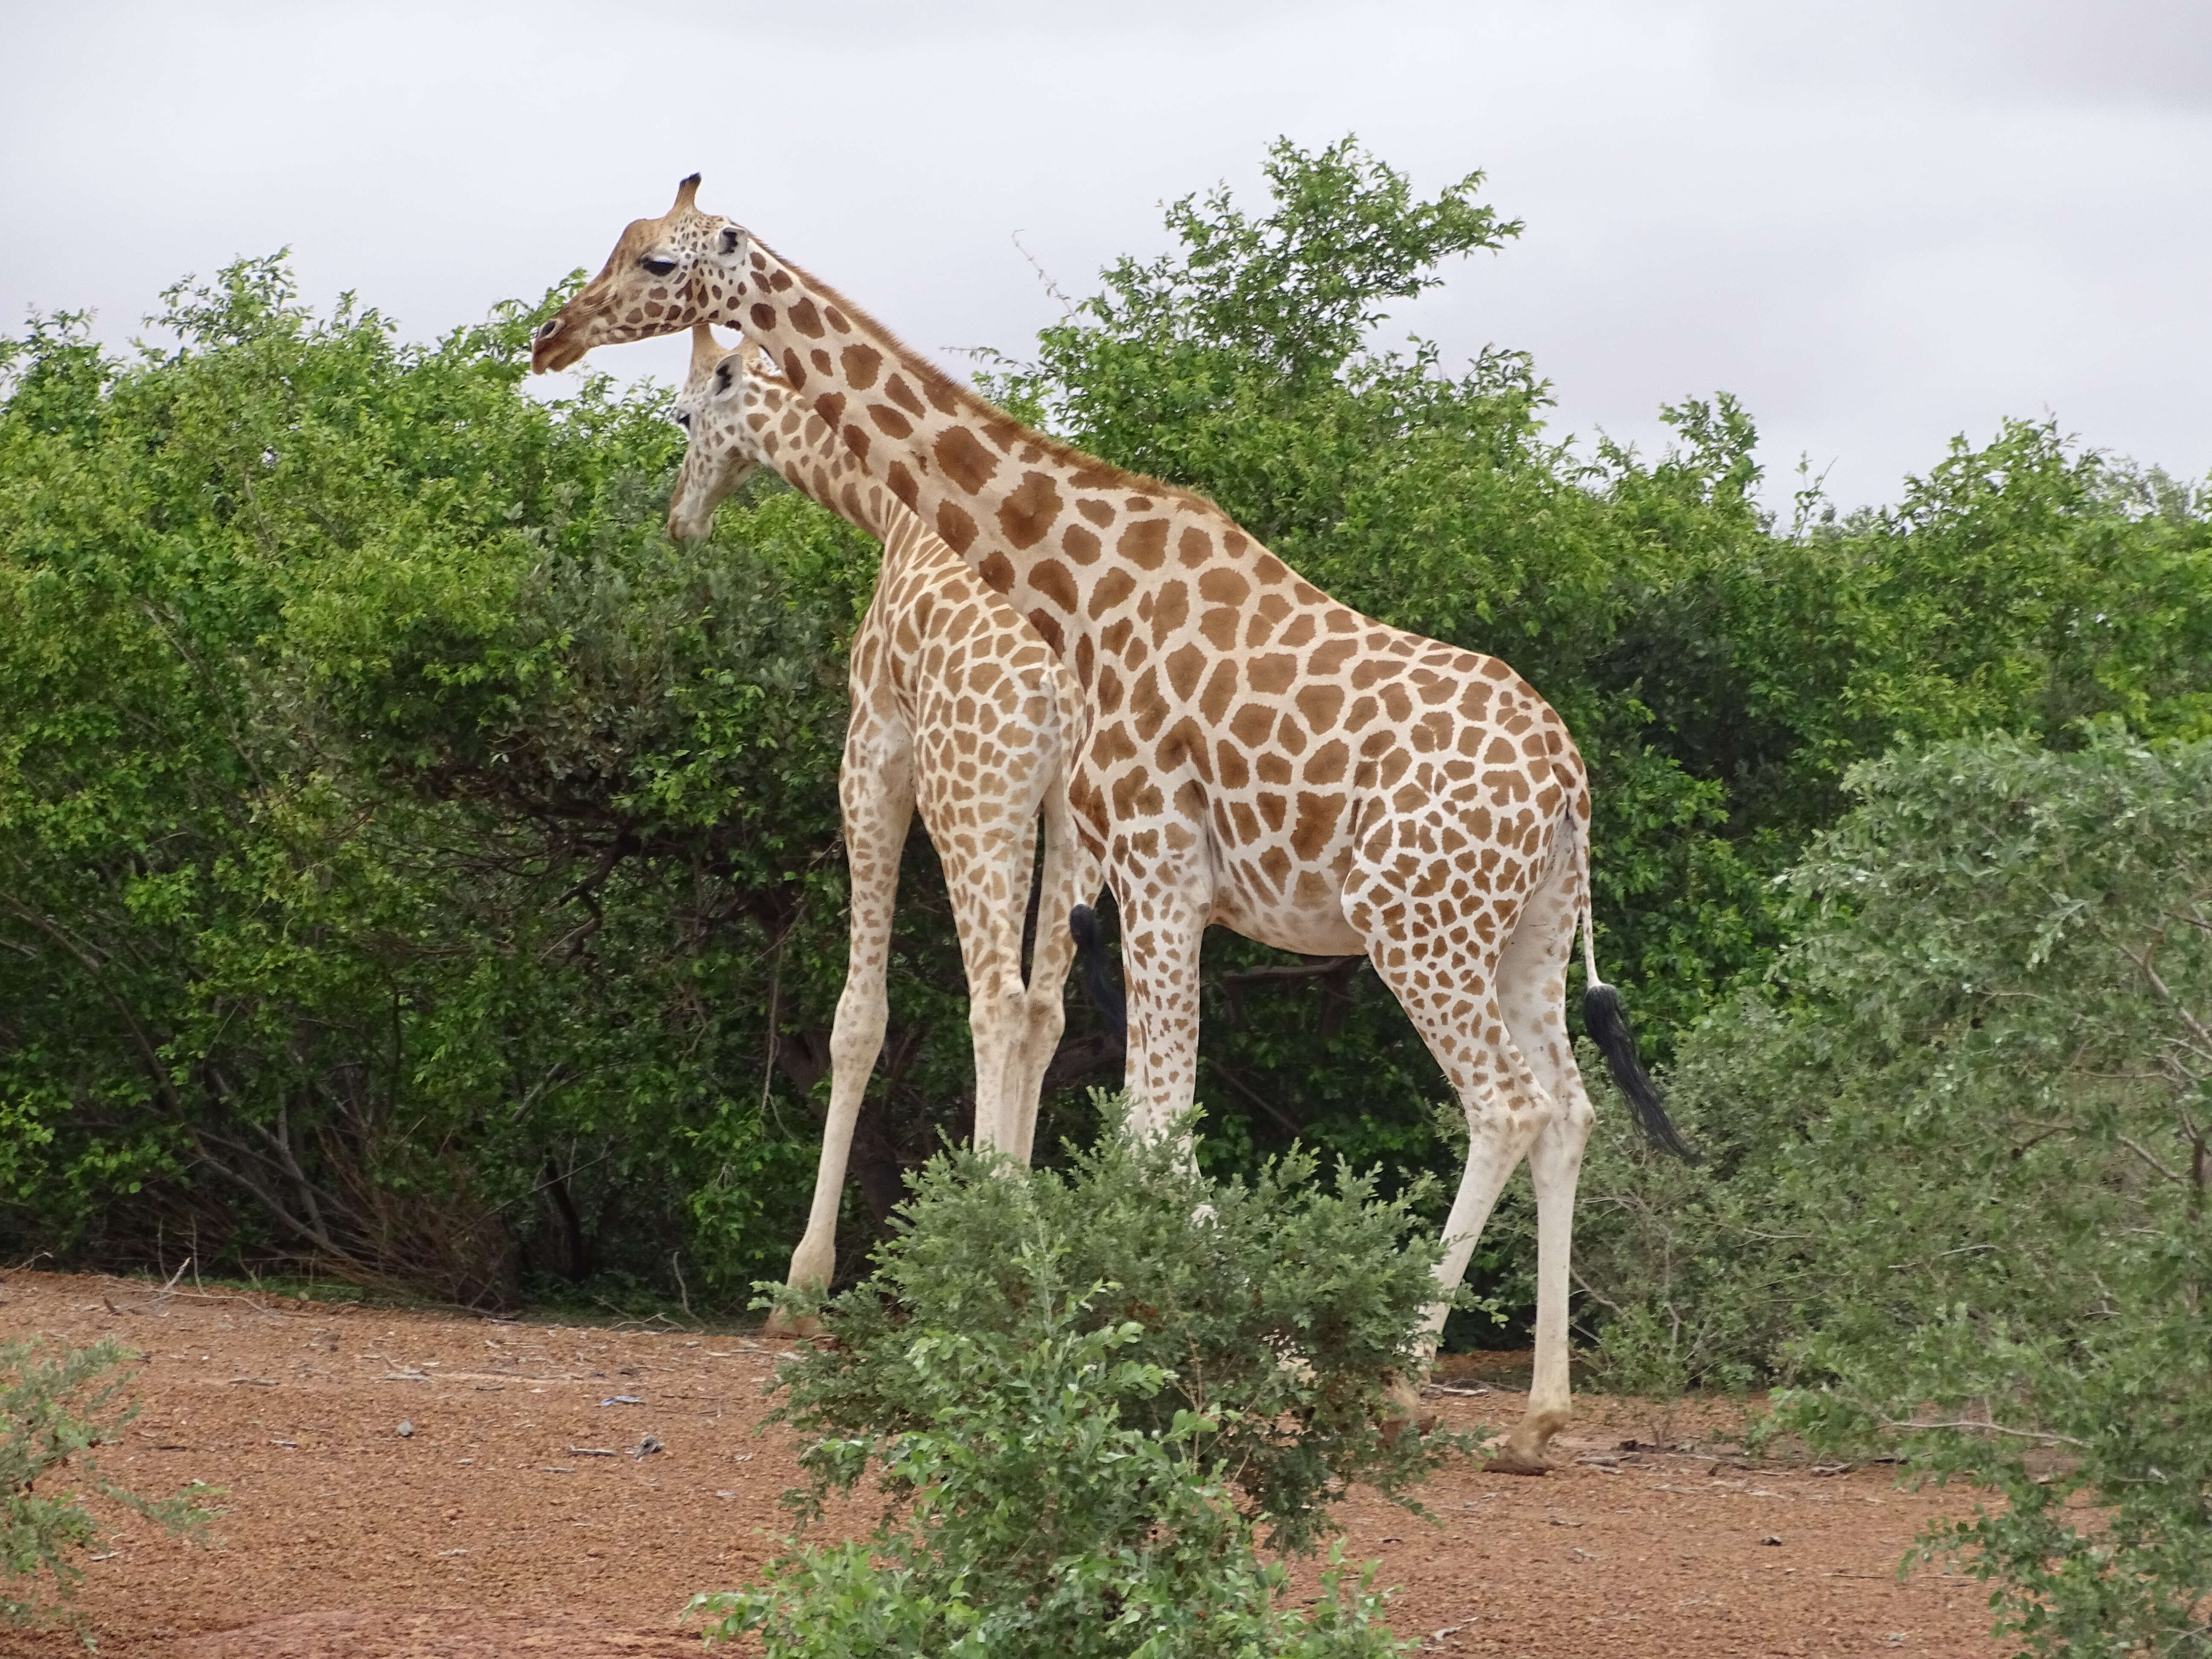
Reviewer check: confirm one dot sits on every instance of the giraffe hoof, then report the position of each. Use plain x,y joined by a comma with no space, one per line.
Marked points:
1511,1460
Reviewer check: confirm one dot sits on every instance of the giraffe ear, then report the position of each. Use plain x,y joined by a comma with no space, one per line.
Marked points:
731,243
687,195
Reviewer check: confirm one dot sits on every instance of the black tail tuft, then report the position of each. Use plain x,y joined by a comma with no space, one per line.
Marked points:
1608,1028
1097,972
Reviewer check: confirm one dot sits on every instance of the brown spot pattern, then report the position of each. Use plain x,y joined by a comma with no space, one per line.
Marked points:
966,462
1030,511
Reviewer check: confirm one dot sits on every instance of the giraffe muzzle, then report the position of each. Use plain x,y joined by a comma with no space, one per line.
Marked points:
555,346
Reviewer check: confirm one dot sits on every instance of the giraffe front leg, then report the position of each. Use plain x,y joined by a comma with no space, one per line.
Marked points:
876,790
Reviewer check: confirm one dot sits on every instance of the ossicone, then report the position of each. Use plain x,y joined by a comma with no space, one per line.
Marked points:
706,349
687,196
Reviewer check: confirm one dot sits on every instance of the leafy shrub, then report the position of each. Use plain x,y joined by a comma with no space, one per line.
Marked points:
1039,1520
1278,1311
1961,1153
56,1410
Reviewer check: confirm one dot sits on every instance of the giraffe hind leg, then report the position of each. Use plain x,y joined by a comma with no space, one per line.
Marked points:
1450,991
1532,992
987,856
1069,877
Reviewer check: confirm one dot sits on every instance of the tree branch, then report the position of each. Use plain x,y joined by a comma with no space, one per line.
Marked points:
1275,973
2197,1029
2145,1155
2041,1435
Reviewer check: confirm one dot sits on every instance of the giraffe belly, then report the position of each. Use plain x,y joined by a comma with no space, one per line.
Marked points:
1305,915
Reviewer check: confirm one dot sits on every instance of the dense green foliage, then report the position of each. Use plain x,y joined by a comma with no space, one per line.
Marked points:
1961,1151
1719,674
1281,1267
1080,1405
56,1410
409,860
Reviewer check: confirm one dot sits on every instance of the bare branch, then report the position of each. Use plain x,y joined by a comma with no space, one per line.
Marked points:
2144,1153
2198,1028
1316,968
1972,1426
1253,1095
147,1051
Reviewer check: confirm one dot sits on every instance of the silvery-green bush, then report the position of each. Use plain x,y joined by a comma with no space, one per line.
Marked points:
1958,1195
1085,1394
59,1405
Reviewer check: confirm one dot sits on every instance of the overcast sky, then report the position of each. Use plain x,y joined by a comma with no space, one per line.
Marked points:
1879,224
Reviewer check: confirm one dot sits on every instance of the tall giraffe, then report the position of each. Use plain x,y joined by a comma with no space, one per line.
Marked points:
1258,755
959,708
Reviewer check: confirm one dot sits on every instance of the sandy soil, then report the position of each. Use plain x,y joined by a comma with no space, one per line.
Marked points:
495,1529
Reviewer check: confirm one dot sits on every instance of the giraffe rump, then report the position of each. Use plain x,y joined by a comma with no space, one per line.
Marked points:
1608,1028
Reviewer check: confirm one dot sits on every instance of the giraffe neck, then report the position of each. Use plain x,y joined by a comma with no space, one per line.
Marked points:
1077,545
790,438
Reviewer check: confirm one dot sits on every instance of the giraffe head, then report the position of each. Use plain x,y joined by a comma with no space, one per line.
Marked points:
664,274
724,450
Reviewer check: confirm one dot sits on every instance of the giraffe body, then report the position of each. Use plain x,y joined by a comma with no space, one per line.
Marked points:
959,710
1257,755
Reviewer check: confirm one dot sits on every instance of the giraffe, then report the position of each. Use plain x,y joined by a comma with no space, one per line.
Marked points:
959,708
1258,755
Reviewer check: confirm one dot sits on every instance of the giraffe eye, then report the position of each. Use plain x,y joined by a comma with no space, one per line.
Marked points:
657,264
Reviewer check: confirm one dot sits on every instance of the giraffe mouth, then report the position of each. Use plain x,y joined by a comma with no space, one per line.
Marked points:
558,344
570,333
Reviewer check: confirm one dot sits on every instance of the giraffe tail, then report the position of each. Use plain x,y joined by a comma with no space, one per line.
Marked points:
1608,1027
1097,972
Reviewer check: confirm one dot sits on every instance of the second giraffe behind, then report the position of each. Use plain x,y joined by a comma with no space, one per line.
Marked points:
959,708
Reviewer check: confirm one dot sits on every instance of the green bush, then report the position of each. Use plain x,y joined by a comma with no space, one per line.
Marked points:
56,1410
1283,1315
1036,1519
1961,1153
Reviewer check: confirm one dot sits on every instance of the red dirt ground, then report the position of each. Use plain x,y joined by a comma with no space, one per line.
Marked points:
486,1534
